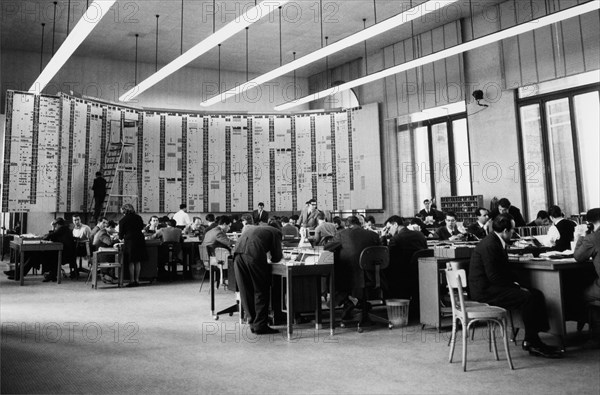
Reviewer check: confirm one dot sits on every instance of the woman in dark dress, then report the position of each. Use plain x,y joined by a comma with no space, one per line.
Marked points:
134,249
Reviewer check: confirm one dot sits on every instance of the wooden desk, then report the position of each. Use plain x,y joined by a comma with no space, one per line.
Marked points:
559,281
21,248
292,273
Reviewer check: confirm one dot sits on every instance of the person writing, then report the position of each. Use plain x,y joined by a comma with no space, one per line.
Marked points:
450,231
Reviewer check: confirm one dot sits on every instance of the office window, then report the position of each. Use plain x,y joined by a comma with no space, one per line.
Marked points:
559,150
434,161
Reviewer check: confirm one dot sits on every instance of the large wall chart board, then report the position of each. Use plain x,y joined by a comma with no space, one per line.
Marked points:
213,163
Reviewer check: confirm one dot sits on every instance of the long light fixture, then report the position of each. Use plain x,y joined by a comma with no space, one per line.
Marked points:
252,15
94,14
419,11
460,48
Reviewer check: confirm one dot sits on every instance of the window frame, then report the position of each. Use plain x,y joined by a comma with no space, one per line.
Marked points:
540,101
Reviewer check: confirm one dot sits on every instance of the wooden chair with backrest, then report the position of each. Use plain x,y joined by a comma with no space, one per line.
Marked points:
204,261
492,315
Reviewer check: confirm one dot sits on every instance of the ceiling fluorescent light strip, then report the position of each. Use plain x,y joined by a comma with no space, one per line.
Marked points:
94,14
491,38
419,11
252,15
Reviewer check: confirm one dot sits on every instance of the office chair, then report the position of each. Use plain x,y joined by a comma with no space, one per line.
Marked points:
173,248
372,260
492,315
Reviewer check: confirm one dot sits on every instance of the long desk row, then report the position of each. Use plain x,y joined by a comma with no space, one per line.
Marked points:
559,280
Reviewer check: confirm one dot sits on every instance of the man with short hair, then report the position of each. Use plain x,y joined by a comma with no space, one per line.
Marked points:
429,214
217,236
400,280
561,231
505,207
450,231
542,219
349,277
588,246
260,215
181,217
80,230
324,229
289,228
308,217
210,222
195,228
253,272
479,229
101,224
492,281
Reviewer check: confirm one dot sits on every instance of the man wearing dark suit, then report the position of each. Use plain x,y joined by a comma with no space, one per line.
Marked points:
450,230
479,229
348,244
254,272
504,207
260,215
217,236
492,281
399,279
430,211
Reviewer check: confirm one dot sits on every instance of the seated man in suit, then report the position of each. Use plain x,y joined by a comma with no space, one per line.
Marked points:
324,229
479,229
450,230
170,234
588,246
195,229
399,279
348,245
430,215
217,236
289,228
260,215
492,281
561,231
505,207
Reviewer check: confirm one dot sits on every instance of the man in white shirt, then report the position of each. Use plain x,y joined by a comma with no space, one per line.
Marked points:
562,230
181,217
80,230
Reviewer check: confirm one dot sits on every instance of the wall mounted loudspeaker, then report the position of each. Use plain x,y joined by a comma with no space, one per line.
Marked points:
478,95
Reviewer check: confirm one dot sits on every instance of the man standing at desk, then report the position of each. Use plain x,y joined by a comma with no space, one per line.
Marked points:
505,207
254,272
492,281
182,218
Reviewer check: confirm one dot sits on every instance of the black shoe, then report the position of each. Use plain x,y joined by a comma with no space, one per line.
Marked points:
48,279
132,285
540,349
9,272
11,277
266,331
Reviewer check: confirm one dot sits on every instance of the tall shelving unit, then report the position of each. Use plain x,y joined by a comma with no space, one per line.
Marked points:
465,207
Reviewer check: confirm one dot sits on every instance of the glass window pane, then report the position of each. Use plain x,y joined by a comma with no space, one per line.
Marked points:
461,155
533,156
587,120
421,149
441,160
562,159
408,172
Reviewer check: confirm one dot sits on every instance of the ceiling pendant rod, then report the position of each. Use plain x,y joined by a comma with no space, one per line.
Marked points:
54,27
471,13
326,65
294,53
156,46
68,16
219,68
42,48
280,42
181,45
214,15
136,59
366,62
247,28
321,17
375,10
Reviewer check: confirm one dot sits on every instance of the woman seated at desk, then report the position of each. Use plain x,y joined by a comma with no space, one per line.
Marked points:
152,226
